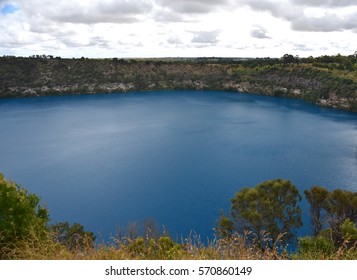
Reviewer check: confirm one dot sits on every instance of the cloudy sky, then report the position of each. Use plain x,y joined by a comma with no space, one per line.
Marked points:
178,28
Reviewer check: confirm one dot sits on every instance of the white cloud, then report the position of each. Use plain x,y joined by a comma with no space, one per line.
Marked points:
110,28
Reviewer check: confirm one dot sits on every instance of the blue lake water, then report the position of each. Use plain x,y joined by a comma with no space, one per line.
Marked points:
176,157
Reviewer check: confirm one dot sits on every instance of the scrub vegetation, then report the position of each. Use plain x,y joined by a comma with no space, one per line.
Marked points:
260,225
327,80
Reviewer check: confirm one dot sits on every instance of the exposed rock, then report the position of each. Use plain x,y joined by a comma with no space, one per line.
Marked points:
24,77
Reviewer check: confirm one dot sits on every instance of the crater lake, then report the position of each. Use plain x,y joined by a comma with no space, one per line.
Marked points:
175,157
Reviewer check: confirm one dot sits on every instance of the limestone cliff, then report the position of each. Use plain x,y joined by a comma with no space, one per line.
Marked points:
328,84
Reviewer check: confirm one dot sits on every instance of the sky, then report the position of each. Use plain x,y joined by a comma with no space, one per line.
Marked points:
178,28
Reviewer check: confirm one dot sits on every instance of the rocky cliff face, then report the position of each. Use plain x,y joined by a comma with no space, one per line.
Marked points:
24,77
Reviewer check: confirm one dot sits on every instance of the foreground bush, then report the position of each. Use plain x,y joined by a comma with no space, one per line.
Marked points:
322,248
21,216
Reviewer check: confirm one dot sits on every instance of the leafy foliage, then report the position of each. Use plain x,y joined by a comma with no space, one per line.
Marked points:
20,214
73,237
349,231
334,211
163,248
316,196
312,248
269,208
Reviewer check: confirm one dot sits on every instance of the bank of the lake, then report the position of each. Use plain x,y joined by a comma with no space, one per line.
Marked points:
327,81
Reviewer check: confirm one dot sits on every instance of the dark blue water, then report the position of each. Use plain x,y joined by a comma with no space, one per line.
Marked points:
174,157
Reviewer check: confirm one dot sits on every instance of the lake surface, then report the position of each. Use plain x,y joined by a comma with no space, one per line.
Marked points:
176,157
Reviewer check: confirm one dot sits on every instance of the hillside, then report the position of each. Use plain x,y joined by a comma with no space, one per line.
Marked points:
327,81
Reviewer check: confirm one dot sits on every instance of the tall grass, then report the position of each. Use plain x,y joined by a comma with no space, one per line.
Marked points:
163,248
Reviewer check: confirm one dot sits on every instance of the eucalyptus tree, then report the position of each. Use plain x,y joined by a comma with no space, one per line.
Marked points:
268,212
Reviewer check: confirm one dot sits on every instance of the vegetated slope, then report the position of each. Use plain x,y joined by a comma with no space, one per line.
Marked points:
328,81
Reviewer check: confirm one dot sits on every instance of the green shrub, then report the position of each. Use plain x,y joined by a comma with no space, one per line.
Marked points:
20,215
349,231
163,248
315,248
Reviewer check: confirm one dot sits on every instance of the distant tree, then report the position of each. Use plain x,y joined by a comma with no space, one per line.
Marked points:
288,58
316,196
151,229
148,229
72,236
269,209
226,226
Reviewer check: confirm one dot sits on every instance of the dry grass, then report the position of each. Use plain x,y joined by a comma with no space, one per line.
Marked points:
191,248
163,248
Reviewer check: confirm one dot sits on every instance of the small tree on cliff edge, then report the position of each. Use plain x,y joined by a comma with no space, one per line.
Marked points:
316,196
329,210
269,209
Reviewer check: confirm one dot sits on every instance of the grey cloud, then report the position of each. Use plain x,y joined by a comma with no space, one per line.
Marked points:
293,12
328,23
184,10
11,39
325,3
324,24
351,22
193,6
205,37
89,12
302,47
124,7
72,43
174,40
169,16
259,32
99,41
45,26
279,10
62,34
115,12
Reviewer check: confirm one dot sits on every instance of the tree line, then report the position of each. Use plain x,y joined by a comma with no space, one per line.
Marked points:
270,214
